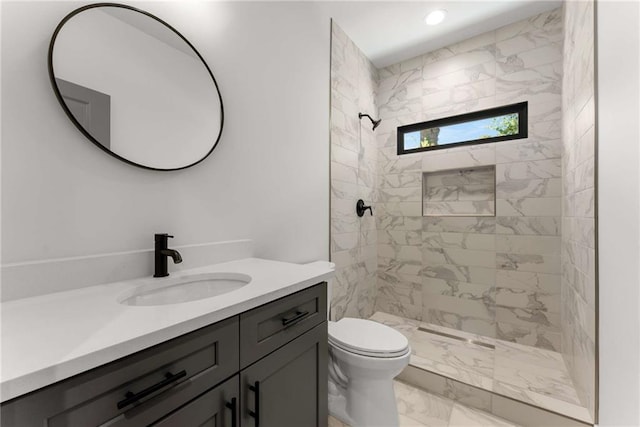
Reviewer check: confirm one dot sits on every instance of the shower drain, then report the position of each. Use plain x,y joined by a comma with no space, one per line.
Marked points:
455,337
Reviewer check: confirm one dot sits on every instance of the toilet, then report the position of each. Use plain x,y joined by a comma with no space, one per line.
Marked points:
364,358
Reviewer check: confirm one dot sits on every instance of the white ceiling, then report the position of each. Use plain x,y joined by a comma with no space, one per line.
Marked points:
391,31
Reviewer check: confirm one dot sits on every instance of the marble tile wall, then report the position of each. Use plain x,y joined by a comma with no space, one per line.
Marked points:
497,276
353,176
578,318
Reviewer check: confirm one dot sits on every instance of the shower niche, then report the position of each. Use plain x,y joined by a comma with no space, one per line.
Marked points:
460,192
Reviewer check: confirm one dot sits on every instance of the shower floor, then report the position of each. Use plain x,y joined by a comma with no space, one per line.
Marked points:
527,374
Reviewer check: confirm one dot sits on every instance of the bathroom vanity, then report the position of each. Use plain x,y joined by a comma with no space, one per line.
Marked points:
263,366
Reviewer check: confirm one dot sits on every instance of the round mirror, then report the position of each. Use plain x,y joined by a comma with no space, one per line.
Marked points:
135,87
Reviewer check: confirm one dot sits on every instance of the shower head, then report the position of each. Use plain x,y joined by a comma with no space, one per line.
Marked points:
375,123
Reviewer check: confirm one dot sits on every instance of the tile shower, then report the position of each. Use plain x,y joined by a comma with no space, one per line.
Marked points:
523,273
472,273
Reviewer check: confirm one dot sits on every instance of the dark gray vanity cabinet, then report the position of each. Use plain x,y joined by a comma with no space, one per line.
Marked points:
265,368
283,350
288,388
136,390
219,407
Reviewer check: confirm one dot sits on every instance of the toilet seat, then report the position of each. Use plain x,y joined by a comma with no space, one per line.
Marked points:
367,338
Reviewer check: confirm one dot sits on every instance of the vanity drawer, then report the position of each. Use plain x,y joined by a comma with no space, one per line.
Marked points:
268,327
164,376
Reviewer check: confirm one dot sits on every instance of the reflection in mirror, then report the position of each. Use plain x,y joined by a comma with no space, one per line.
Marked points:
92,109
496,124
135,87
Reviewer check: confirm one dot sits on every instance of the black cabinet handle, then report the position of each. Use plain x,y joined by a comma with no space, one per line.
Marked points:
255,388
131,397
286,321
234,418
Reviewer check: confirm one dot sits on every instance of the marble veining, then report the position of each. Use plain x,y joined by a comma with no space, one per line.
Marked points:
464,416
524,275
529,334
578,258
543,226
522,372
479,273
459,225
418,408
353,245
460,273
474,241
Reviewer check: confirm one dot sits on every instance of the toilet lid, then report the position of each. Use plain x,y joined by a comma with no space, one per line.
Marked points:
367,337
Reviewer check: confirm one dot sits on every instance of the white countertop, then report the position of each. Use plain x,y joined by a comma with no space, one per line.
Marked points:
51,337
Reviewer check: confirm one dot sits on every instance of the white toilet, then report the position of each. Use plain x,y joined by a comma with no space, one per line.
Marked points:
364,358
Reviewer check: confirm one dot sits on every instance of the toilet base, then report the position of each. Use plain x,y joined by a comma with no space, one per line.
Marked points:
364,403
361,390
338,409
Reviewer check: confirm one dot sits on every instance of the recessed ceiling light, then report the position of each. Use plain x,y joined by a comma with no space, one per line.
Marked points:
435,17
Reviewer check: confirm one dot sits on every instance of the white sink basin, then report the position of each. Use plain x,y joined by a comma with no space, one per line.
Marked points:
184,289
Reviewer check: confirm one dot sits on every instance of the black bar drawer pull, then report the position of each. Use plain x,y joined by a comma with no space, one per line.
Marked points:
131,397
255,388
295,318
232,405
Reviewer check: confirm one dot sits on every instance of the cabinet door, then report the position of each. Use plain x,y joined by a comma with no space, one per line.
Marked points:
219,407
288,388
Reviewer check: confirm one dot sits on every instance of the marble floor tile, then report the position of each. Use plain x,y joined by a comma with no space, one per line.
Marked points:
405,421
463,416
334,422
421,406
418,408
533,356
461,334
506,366
527,374
540,381
541,400
406,326
468,377
455,353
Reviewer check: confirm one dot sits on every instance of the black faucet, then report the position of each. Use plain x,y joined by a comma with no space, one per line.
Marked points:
161,254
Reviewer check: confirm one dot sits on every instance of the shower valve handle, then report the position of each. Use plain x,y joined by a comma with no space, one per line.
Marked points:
361,208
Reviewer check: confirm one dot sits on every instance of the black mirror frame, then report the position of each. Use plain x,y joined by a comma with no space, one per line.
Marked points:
519,108
81,128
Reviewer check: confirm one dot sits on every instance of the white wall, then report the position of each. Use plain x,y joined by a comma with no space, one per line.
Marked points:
618,88
268,179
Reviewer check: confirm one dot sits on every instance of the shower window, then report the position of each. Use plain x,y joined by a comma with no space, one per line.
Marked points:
480,127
